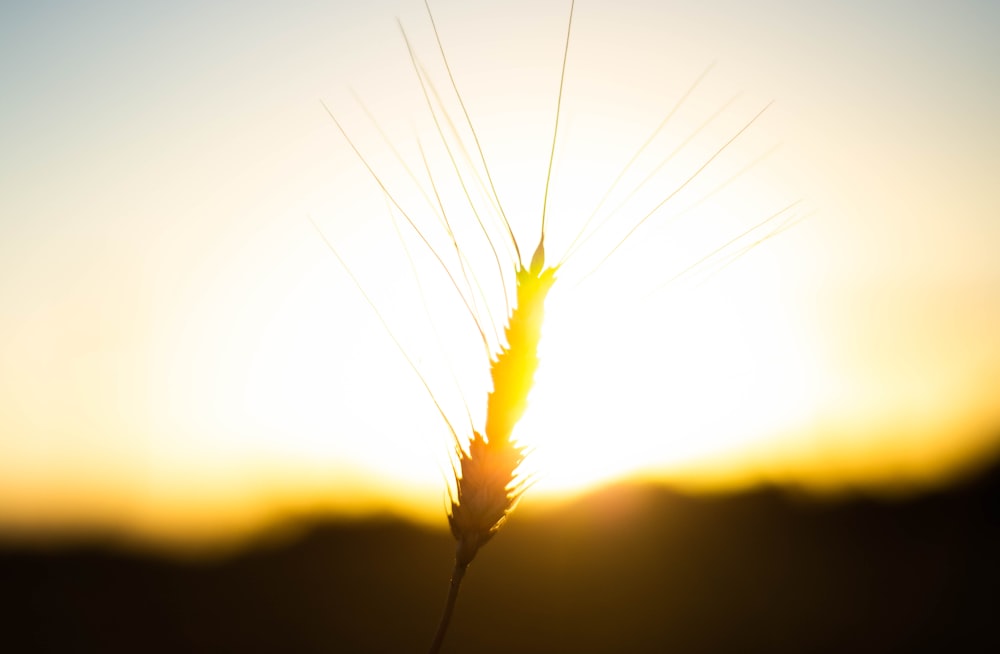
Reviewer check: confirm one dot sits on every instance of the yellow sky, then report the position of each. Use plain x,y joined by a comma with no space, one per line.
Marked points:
181,354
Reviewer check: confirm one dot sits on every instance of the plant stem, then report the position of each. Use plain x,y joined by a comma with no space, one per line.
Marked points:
456,580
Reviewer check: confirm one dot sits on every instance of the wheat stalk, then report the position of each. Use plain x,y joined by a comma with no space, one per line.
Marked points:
487,484
486,479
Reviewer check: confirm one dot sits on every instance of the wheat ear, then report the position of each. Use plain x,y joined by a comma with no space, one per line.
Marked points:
487,483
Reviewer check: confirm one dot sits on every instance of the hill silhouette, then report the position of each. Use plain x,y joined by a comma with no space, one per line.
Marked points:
627,569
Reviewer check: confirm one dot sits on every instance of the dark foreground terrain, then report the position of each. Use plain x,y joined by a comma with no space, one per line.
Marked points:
628,569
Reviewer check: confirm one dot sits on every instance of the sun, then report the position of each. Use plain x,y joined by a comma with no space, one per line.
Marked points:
659,383
648,358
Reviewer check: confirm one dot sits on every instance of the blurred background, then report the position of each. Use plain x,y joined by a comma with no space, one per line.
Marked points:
202,418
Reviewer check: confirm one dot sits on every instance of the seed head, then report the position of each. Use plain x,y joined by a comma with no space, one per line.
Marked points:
487,489
487,483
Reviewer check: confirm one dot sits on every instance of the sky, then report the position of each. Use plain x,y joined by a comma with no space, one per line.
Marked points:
181,355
